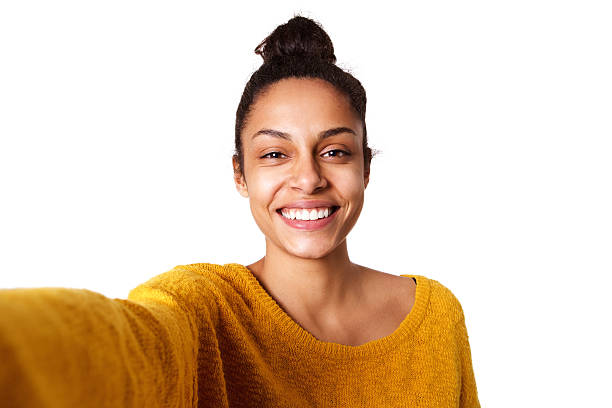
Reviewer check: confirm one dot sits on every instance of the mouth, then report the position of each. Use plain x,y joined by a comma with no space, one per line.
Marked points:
307,214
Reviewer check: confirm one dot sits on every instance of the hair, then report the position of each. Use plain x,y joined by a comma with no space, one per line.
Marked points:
299,49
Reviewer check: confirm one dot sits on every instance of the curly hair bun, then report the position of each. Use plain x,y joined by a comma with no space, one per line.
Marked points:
299,37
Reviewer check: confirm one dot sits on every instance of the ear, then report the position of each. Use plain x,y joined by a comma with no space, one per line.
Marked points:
367,165
239,180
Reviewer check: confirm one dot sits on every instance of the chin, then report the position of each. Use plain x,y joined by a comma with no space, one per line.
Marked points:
309,250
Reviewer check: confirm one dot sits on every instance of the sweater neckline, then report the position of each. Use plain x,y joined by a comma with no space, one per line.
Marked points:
299,339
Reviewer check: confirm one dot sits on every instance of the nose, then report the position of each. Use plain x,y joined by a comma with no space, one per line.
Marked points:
306,175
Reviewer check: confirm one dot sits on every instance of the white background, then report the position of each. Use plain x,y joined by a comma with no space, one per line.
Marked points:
493,118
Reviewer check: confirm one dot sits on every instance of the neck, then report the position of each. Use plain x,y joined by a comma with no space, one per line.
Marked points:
321,285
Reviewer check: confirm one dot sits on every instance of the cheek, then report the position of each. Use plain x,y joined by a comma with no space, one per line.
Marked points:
263,186
351,183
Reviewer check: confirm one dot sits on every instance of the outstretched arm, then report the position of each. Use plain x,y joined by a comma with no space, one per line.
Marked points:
74,347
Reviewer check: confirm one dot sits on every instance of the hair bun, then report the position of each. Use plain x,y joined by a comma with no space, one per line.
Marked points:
299,37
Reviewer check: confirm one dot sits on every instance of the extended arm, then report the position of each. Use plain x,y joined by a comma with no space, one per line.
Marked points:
73,347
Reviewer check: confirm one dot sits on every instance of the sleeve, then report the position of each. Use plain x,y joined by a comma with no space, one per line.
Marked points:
74,347
469,393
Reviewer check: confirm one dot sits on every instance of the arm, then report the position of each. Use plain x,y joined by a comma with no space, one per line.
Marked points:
469,393
70,347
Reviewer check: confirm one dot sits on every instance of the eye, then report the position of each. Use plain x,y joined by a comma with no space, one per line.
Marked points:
272,155
336,153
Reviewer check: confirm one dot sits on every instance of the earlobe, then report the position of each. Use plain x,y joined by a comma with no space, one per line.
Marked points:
242,188
239,181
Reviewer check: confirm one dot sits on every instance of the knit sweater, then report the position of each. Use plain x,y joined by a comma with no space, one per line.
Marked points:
206,335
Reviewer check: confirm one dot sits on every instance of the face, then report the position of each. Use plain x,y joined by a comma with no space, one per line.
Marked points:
303,167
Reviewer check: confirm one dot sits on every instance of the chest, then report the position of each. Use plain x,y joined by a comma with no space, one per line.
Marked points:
367,322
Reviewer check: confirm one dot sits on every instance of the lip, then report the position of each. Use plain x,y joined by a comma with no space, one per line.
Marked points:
309,204
306,225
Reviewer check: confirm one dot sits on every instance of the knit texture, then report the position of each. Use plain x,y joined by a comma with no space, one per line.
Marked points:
206,335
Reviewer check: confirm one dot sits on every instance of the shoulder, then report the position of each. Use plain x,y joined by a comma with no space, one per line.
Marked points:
207,274
188,284
443,301
393,286
439,300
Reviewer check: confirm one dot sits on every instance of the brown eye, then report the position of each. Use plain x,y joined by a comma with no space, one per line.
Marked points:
272,155
336,153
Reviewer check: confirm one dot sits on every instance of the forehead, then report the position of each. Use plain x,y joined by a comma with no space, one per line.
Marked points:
302,104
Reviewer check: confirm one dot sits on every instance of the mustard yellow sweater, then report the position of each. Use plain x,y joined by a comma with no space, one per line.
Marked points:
206,335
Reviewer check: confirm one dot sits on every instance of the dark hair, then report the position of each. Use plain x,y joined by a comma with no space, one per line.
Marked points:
300,48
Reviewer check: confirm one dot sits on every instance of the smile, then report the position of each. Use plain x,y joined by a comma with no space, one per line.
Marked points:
307,214
308,218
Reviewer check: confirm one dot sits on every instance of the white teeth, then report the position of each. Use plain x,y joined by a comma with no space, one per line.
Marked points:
305,214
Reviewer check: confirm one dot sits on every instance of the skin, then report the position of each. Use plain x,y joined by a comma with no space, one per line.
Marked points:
309,273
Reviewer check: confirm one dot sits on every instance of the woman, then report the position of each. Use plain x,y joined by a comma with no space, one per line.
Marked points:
302,326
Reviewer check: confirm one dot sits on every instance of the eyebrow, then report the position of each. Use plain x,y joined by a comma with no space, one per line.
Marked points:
287,136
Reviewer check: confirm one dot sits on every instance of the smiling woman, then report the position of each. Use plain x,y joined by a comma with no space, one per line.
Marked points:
316,139
301,326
